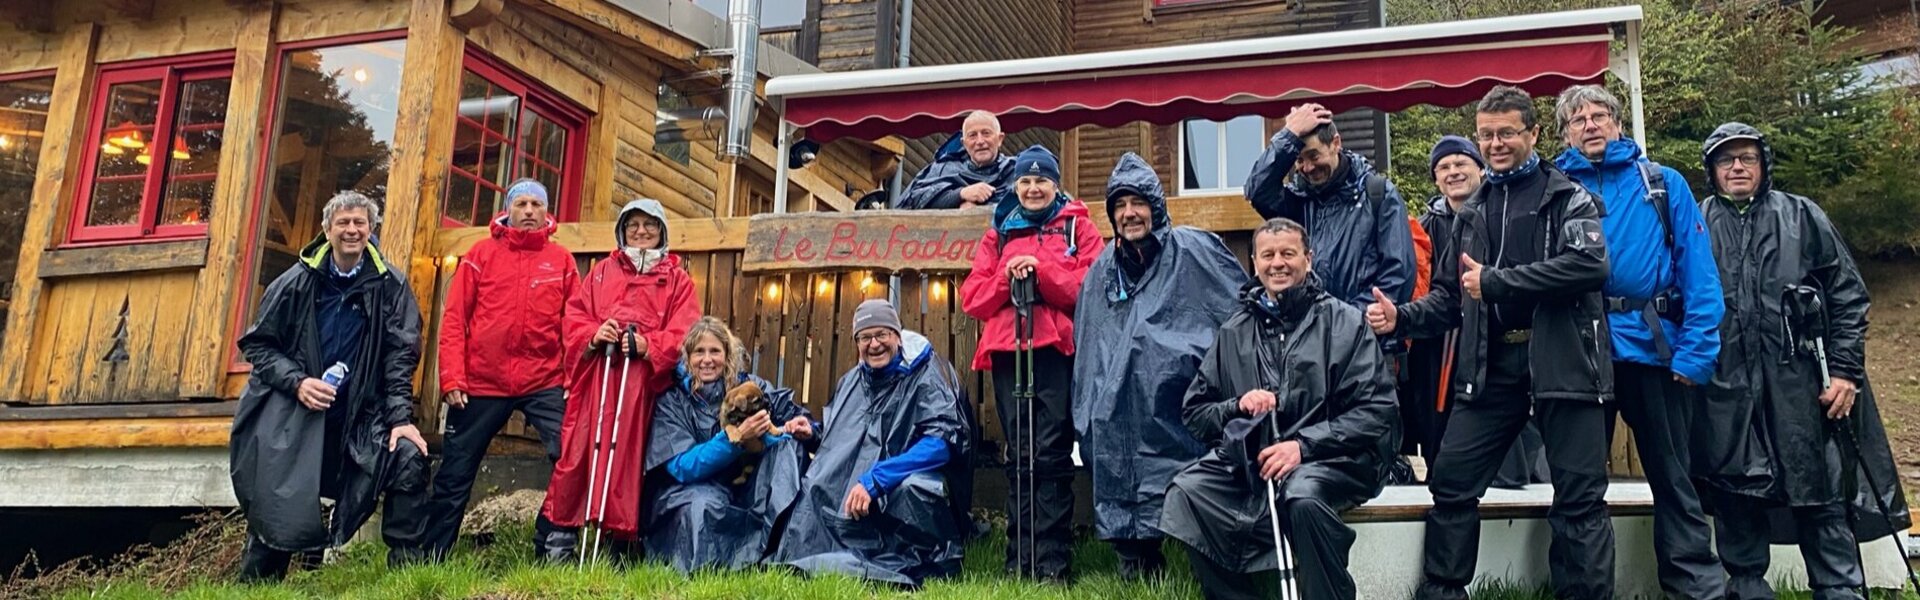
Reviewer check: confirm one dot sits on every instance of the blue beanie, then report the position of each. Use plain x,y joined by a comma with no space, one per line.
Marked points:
1454,144
1036,160
527,187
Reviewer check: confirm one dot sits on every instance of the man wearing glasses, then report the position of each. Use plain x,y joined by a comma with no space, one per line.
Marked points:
1663,309
1525,293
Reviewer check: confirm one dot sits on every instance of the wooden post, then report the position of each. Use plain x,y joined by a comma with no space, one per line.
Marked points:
423,144
53,187
603,144
233,202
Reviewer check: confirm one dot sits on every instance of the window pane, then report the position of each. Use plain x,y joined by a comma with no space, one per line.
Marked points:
669,139
115,203
543,139
1245,142
132,109
485,103
459,206
1201,152
333,132
194,154
23,123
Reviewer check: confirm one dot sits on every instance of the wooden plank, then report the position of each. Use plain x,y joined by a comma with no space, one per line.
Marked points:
699,266
513,46
66,121
893,240
119,411
300,21
798,302
595,238
913,287
116,312
190,432
220,283
132,258
597,182
821,327
109,296
422,142
176,28
166,352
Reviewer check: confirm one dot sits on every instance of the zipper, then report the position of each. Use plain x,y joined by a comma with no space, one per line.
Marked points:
1592,366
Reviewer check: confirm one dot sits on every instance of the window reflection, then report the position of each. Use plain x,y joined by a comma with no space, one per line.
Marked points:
1218,156
508,128
23,124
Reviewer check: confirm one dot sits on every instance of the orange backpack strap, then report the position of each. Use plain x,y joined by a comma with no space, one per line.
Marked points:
1422,258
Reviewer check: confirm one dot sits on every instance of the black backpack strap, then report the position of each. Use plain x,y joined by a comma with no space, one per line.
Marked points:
1376,187
1657,194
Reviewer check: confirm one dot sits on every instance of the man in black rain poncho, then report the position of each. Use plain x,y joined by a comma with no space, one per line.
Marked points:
1776,451
1147,312
876,503
298,438
966,171
1294,349
718,492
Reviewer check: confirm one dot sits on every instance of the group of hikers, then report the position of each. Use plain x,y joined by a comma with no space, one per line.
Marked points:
1496,339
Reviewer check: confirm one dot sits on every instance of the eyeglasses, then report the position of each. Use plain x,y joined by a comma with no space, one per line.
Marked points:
1598,119
1726,161
1504,135
646,225
868,338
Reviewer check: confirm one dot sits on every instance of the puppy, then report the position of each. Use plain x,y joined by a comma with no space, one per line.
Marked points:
741,403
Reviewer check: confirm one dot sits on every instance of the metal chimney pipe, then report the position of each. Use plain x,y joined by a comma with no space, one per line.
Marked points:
743,23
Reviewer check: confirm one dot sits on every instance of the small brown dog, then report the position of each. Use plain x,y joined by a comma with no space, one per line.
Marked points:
741,403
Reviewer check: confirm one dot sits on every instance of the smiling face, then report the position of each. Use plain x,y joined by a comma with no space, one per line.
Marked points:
527,212
1736,169
707,362
1457,175
1505,140
642,231
1280,259
347,233
877,346
1318,160
1036,192
1590,129
1133,217
982,137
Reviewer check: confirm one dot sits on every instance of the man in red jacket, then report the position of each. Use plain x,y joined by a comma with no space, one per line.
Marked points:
1038,234
500,351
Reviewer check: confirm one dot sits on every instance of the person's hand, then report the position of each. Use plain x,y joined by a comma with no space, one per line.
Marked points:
609,333
1020,267
1382,317
315,394
1278,460
752,428
408,433
1470,276
1682,379
456,399
801,428
858,502
1257,402
1307,117
977,193
635,345
1838,397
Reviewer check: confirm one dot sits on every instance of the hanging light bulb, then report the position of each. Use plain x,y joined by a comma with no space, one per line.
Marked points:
144,158
4,142
180,149
866,282
111,149
824,287
773,291
939,290
360,75
130,139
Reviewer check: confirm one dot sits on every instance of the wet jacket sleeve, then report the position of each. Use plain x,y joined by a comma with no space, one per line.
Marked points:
1439,311
932,187
1361,404
271,332
1579,266
986,290
1060,287
1832,266
582,320
703,461
455,320
400,351
926,454
1207,408
1266,184
1696,349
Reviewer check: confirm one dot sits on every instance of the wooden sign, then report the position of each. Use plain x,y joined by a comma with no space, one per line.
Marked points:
886,240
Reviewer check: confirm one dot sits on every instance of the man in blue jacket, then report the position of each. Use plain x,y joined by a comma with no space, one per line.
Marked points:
1664,307
1355,217
966,171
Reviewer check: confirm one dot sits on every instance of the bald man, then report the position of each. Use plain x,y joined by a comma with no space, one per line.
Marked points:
966,171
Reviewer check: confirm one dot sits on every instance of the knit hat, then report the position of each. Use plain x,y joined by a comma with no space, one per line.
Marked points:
527,187
876,313
1037,160
1454,144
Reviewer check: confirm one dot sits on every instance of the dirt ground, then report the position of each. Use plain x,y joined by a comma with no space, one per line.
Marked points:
1893,358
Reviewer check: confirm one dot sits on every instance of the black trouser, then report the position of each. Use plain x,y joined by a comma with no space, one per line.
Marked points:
1826,543
1320,542
1052,476
400,527
1479,434
1660,411
1139,557
469,430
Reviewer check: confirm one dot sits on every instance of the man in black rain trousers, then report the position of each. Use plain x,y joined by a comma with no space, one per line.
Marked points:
299,437
1525,293
1147,312
1787,446
1300,360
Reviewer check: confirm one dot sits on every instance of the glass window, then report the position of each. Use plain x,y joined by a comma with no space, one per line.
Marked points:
154,154
1217,156
509,127
23,124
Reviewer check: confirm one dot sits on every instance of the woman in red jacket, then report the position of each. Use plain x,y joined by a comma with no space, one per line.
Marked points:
1038,233
642,287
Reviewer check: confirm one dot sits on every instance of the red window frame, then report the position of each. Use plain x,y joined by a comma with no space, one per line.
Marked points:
172,73
540,101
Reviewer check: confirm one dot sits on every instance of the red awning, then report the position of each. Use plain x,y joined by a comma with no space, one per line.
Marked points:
1448,64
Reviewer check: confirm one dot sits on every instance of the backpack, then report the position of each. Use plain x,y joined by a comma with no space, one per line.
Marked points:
1657,194
1422,243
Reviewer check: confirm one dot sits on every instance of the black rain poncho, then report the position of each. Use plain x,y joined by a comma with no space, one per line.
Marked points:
911,533
1139,345
715,523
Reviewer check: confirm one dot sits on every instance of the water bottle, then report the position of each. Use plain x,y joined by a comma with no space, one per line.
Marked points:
335,375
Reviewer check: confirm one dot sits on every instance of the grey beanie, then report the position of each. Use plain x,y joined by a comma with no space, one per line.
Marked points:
876,313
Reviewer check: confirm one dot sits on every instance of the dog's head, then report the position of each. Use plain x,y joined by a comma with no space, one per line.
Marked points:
742,402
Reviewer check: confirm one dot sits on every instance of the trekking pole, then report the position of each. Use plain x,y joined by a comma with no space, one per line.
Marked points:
606,372
1023,295
1283,551
613,441
1845,428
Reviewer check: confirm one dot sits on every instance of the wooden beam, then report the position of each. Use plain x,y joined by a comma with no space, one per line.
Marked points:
123,259
469,15
603,144
138,10
152,410
234,200
810,181
34,16
52,187
195,432
596,237
626,29
423,144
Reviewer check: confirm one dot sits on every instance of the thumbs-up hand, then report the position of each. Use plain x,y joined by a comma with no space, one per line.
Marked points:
1470,276
1381,315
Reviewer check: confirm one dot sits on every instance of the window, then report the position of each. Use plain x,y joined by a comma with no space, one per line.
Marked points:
23,123
153,155
509,127
1216,156
669,132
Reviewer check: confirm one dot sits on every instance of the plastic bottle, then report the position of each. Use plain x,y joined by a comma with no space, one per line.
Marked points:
336,374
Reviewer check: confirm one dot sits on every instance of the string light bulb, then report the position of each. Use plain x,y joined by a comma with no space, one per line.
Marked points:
824,287
773,291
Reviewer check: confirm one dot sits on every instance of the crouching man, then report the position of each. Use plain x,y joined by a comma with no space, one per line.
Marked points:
1303,362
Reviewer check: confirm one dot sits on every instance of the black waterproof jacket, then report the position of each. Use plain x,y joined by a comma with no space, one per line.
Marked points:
277,444
1572,357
